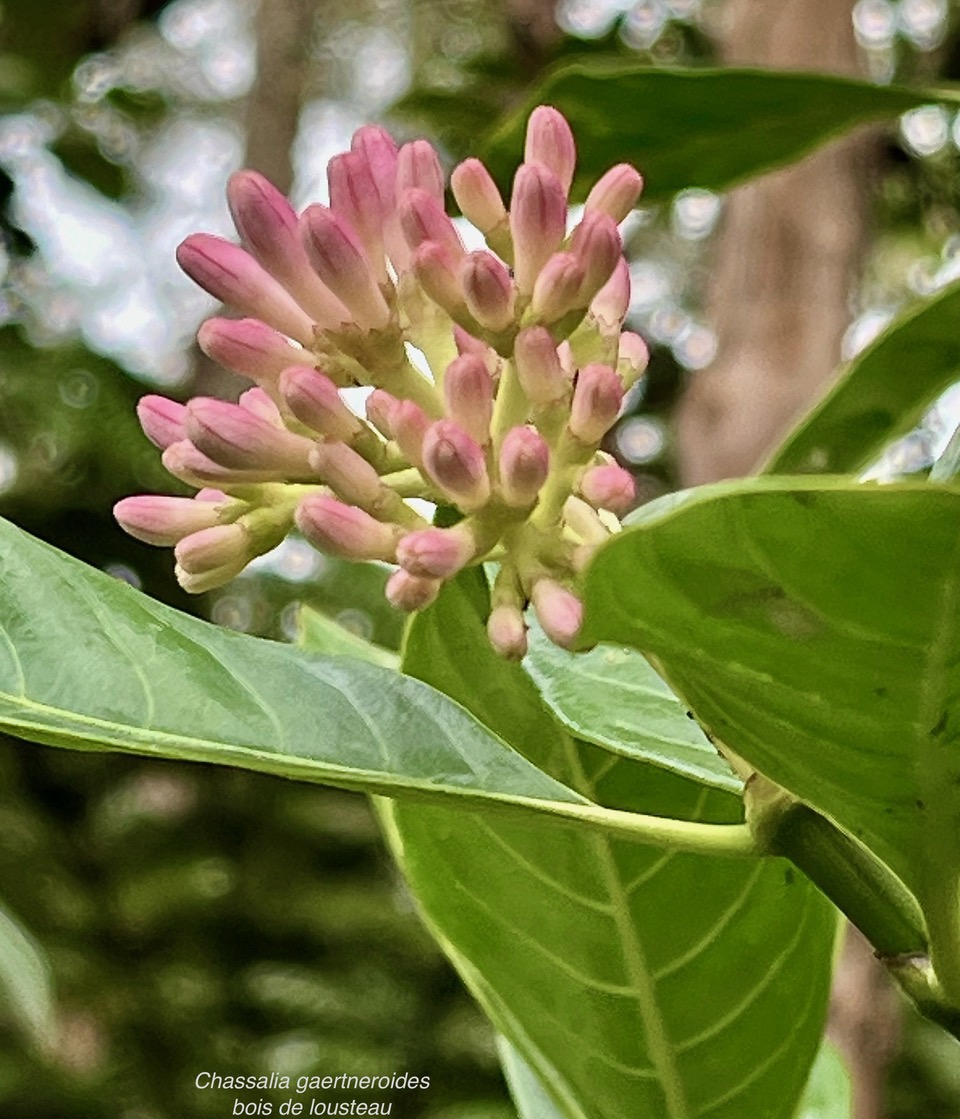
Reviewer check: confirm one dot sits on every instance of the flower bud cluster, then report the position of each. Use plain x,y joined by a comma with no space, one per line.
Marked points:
528,367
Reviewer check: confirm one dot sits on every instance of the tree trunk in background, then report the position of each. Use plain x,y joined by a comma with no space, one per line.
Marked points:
789,252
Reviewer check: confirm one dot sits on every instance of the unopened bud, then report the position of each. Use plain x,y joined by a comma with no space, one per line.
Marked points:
549,141
488,290
559,610
632,358
268,225
341,261
355,198
214,547
559,288
249,347
612,301
477,195
597,399
411,592
423,218
380,407
418,165
344,530
436,553
609,487
184,461
377,147
231,275
343,470
313,398
238,439
163,420
410,424
616,192
456,465
255,400
538,367
524,466
436,270
596,244
538,220
468,394
164,521
507,632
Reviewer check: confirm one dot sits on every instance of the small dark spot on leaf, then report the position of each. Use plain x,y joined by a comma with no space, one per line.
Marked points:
803,498
941,726
920,805
689,714
788,876
880,692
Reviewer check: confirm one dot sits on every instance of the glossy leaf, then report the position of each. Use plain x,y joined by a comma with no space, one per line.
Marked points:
612,697
695,128
880,395
828,1094
26,985
321,634
89,663
814,626
532,1099
631,981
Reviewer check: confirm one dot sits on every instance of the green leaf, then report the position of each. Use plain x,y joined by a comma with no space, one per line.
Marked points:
882,393
89,663
532,1099
828,1094
612,697
631,981
814,626
321,634
702,128
26,985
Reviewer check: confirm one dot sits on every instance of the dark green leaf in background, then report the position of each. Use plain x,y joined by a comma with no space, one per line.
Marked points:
695,128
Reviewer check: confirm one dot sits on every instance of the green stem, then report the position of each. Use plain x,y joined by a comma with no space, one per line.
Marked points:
942,910
510,408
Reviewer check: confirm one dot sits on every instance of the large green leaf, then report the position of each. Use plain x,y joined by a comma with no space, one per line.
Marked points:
880,395
26,985
814,626
631,981
702,128
612,697
87,662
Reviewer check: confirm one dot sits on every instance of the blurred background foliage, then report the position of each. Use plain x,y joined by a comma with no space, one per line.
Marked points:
203,919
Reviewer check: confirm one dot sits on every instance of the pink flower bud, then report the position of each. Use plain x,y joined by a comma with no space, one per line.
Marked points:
612,301
488,290
596,243
190,465
468,394
422,218
410,424
436,271
314,400
597,399
468,344
418,165
380,407
341,261
559,610
355,198
524,466
411,592
164,521
507,632
616,192
456,465
377,147
163,421
550,142
538,221
344,530
477,195
202,581
632,358
216,547
343,470
436,553
559,288
231,275
538,367
249,347
268,225
240,440
609,487
255,400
